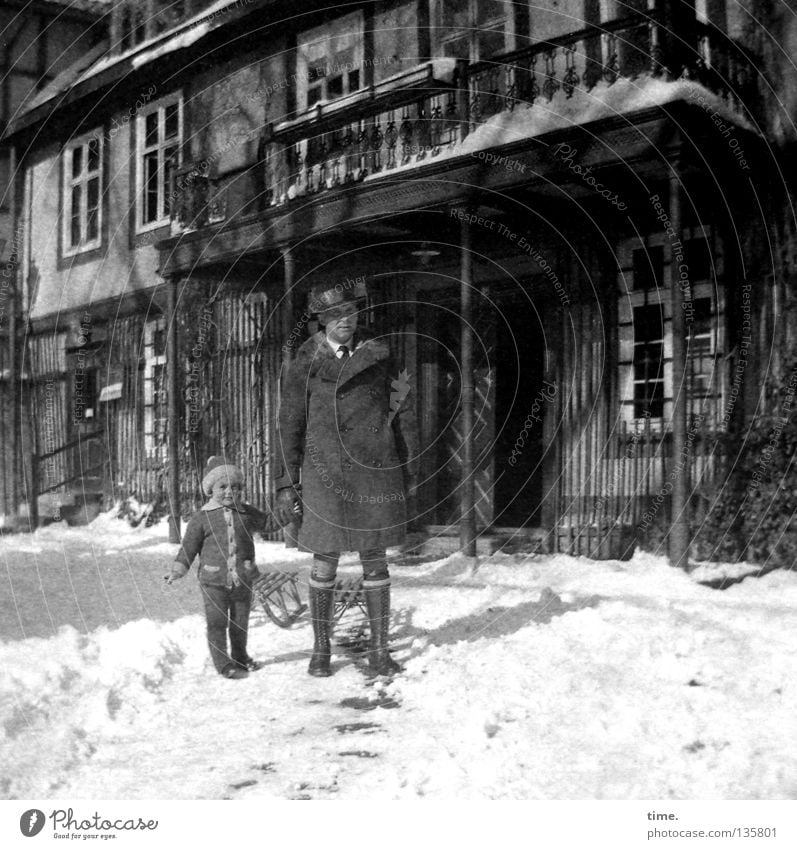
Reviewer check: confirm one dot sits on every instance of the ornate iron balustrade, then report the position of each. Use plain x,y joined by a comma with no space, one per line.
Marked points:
636,46
413,119
407,125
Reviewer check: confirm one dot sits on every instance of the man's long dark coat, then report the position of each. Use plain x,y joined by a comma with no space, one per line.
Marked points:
349,426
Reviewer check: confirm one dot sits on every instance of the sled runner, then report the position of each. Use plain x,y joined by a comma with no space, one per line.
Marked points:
278,593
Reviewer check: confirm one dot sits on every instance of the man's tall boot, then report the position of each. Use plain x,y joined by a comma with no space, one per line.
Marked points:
377,604
321,609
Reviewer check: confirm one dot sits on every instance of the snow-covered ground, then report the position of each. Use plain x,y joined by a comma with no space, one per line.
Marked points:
532,677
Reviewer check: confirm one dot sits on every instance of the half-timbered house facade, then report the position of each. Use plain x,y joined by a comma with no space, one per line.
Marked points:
550,205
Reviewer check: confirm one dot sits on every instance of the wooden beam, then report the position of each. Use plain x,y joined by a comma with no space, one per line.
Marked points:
679,461
12,305
290,532
173,378
467,521
287,304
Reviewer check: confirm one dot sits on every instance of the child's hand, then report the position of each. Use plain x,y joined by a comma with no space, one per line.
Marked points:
175,575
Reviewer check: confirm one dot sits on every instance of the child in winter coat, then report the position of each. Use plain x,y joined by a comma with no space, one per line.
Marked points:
221,532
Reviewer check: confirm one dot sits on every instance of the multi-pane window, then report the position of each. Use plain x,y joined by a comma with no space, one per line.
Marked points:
82,195
702,351
330,60
160,132
136,21
648,361
155,390
473,29
650,268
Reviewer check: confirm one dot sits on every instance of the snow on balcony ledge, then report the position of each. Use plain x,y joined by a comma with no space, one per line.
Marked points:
622,98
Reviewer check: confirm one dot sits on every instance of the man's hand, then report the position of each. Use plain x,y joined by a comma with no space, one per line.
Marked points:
288,506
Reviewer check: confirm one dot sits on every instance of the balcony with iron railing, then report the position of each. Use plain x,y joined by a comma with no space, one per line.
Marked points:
431,113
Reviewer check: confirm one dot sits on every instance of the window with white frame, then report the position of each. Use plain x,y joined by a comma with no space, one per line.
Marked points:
82,219
159,131
648,373
155,390
473,29
648,270
330,60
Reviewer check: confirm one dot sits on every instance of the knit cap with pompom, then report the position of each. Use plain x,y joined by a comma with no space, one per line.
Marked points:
218,469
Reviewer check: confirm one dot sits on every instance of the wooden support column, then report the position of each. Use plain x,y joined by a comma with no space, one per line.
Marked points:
679,462
467,521
173,380
289,342
12,305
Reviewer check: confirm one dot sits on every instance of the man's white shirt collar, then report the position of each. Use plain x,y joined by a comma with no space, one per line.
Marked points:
336,345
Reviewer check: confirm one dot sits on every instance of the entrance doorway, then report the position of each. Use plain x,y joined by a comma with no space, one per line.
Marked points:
521,404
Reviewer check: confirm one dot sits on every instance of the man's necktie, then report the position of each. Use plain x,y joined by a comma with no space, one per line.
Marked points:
343,352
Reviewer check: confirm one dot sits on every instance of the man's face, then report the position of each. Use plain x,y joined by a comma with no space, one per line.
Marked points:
225,493
341,322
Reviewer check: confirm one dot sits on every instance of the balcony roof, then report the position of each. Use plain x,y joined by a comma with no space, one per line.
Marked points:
642,141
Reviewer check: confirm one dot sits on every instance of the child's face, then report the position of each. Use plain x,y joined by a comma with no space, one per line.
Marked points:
225,493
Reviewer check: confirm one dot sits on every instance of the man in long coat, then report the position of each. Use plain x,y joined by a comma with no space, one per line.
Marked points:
348,452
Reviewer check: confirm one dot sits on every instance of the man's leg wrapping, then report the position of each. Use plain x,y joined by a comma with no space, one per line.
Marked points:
321,591
376,588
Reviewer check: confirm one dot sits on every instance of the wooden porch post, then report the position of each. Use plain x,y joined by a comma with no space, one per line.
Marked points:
14,383
290,532
679,528
173,379
467,522
289,262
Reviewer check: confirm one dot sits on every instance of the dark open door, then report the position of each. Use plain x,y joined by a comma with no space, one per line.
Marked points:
522,400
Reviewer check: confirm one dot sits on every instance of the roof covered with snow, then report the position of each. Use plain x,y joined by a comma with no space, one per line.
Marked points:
104,65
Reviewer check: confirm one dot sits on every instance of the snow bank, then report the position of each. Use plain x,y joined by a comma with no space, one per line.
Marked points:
61,695
532,677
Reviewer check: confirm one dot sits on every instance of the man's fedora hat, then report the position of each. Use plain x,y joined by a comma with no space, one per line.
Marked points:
324,296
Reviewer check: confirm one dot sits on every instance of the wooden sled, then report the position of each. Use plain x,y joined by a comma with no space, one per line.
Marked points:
278,593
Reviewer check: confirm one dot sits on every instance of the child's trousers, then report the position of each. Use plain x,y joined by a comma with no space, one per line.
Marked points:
227,613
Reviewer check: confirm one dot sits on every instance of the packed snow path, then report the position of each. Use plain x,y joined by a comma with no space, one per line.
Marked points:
536,677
